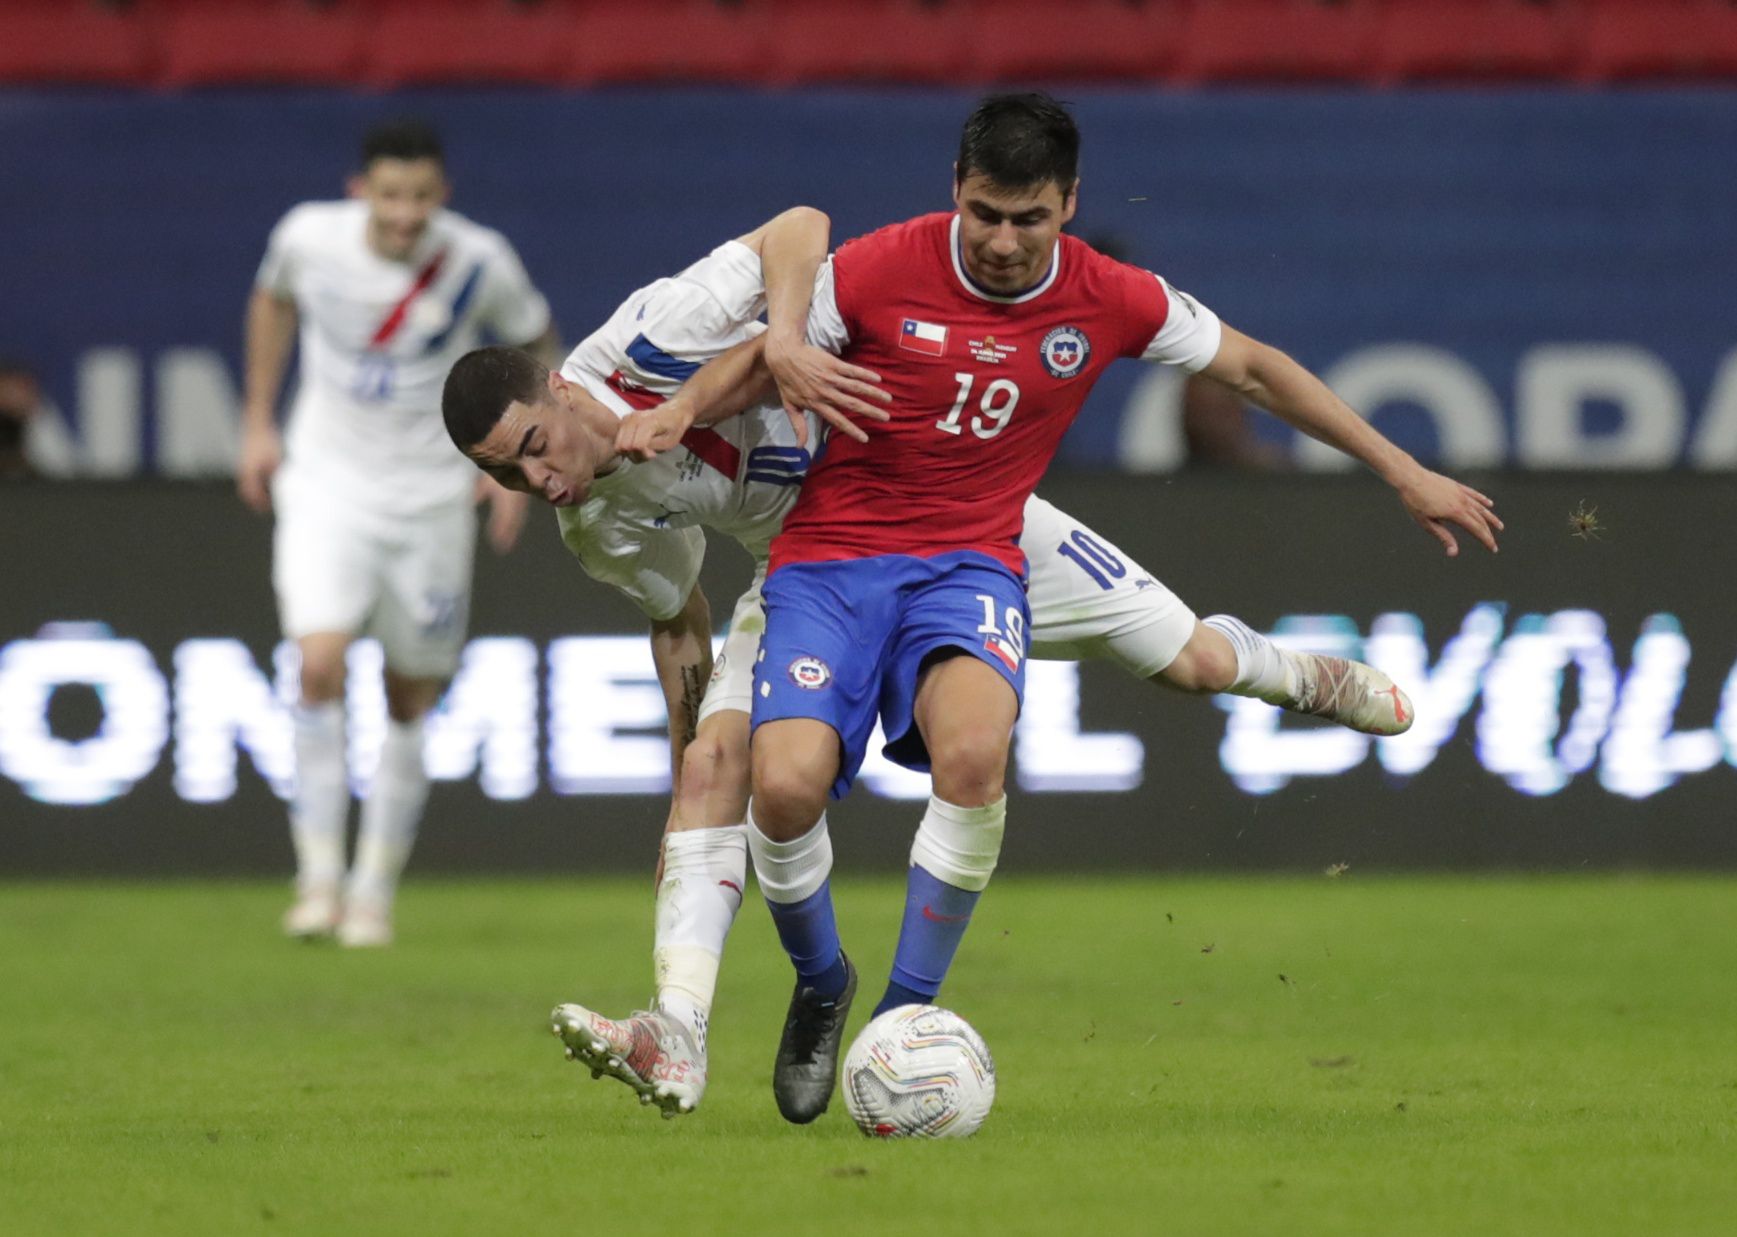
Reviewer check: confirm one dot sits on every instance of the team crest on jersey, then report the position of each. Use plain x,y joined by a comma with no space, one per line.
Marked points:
1065,351
810,673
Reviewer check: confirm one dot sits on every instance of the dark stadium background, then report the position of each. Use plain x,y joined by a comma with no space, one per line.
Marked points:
1504,224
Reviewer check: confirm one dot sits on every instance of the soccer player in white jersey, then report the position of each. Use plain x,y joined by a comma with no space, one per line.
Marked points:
376,523
637,525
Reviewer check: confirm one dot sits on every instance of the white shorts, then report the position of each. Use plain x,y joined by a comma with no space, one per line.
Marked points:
405,582
1089,602
732,685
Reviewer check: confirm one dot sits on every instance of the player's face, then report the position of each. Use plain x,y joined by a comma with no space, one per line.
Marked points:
402,195
544,448
1007,235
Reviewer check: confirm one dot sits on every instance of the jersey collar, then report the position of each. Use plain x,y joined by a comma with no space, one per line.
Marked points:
984,294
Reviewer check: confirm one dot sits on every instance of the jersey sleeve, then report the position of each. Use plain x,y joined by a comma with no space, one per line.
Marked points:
277,270
709,308
826,328
515,312
1190,334
654,569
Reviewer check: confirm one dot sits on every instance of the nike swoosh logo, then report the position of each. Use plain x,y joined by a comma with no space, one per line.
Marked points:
934,917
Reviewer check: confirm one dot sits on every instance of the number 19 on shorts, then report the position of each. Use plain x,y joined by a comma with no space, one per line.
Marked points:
1005,639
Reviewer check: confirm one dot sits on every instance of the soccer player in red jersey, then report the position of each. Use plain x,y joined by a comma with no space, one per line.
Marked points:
897,585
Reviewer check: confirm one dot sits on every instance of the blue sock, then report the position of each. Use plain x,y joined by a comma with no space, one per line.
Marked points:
936,916
810,936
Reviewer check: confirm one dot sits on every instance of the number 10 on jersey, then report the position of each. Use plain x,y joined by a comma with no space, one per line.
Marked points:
994,408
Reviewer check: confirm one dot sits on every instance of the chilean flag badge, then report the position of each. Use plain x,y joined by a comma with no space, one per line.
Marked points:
924,337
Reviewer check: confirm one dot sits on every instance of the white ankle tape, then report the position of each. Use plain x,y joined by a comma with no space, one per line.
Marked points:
960,845
1260,667
794,870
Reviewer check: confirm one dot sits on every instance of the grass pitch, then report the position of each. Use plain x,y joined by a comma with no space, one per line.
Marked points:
1354,1055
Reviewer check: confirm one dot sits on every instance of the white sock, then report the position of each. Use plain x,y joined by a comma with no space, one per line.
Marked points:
320,805
1263,669
790,871
704,871
390,814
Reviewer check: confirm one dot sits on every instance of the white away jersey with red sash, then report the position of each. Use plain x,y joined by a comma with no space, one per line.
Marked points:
377,340
640,528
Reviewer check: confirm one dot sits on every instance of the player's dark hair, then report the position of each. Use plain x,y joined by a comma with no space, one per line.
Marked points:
405,137
1020,140
481,386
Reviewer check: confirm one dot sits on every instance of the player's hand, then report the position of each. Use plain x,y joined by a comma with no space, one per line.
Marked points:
838,393
507,512
261,453
1436,502
650,432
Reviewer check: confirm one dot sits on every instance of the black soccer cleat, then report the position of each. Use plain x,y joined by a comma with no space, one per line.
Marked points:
807,1065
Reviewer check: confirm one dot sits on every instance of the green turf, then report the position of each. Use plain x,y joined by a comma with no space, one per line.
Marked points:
1355,1055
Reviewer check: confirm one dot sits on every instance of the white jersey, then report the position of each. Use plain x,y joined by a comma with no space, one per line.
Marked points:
377,339
640,528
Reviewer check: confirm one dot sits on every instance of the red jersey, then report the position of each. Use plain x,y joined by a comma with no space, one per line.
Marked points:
983,387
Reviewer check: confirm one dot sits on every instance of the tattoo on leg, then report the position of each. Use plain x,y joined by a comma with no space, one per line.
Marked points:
693,691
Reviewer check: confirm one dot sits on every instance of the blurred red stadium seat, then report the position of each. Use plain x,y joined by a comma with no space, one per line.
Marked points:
869,41
420,42
1473,39
1635,39
1032,40
1277,40
234,42
668,41
82,41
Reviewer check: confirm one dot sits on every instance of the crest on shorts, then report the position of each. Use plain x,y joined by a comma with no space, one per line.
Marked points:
1065,351
810,673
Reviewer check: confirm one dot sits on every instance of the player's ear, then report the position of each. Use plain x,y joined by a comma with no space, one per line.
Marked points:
357,185
957,183
1071,201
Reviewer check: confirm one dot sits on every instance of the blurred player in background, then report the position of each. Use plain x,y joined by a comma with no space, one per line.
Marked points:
376,522
896,585
637,526
20,405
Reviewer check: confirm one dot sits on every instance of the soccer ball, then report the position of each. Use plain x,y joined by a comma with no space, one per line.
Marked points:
919,1072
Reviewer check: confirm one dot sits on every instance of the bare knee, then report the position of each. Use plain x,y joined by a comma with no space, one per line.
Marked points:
322,675
1206,664
714,772
790,784
410,698
969,765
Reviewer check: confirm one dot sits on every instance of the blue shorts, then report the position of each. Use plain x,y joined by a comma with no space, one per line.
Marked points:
847,640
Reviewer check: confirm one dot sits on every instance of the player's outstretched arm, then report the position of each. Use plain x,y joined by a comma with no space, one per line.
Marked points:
791,247
721,388
1266,376
681,649
271,333
508,510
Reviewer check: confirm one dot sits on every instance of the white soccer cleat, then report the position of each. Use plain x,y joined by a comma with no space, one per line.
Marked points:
367,924
1355,695
655,1054
315,913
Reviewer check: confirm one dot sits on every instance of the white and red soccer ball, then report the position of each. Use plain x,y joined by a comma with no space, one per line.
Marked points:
918,1072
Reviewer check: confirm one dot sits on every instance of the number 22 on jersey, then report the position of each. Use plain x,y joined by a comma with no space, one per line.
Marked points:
994,408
